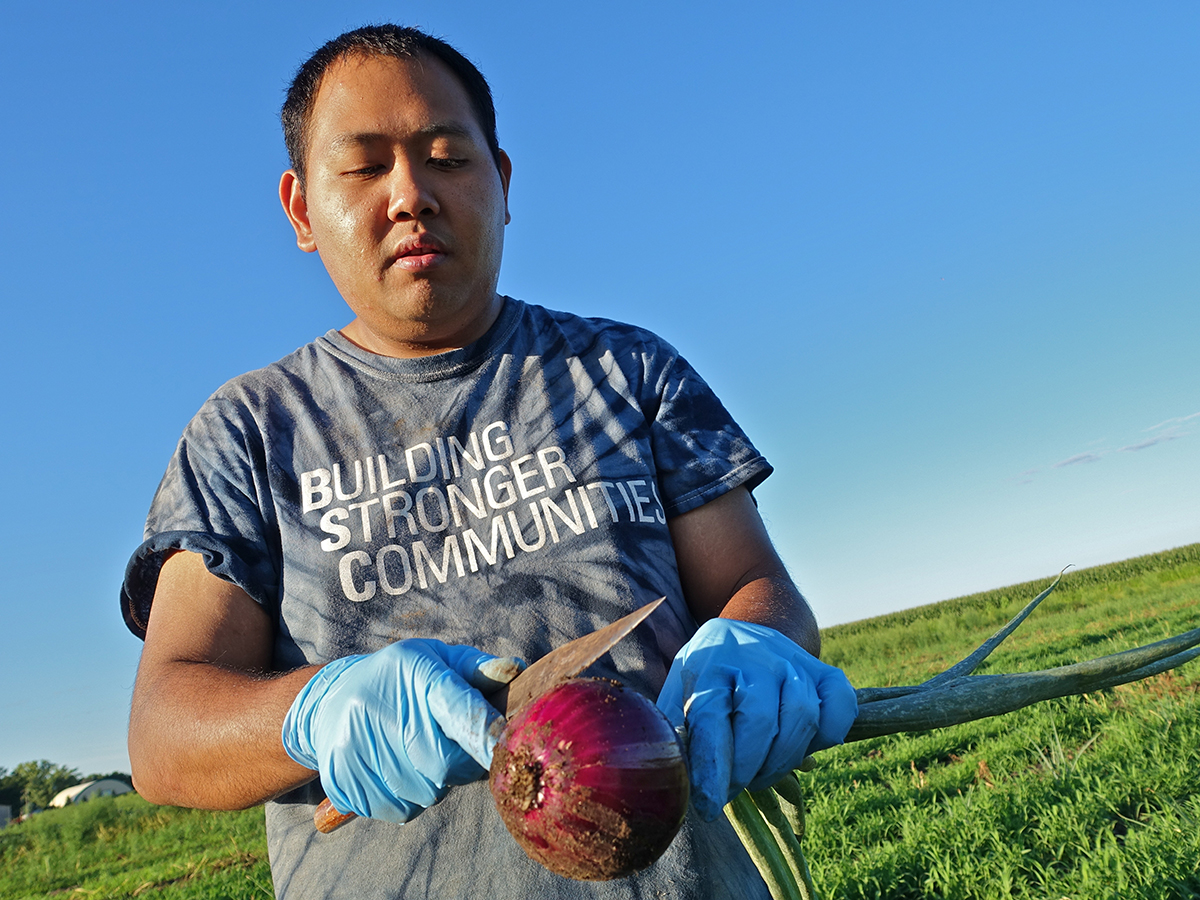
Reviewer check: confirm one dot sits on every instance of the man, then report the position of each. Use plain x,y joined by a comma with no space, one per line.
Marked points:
340,535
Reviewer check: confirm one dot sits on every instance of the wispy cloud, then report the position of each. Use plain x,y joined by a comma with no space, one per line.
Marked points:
1170,430
1174,422
1162,438
1081,458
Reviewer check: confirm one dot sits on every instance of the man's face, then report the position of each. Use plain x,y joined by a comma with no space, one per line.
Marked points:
404,202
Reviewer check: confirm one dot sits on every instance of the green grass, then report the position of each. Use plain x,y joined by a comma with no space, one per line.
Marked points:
1082,798
116,847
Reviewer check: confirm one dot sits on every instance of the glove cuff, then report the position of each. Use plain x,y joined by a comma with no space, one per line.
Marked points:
298,723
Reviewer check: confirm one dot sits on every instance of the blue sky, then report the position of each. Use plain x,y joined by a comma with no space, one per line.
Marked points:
938,259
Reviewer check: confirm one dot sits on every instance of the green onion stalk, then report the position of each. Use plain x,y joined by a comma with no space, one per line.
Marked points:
770,824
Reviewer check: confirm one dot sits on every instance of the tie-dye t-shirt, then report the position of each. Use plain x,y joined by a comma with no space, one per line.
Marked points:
511,496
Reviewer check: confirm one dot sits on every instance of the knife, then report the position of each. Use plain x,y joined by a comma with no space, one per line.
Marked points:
559,665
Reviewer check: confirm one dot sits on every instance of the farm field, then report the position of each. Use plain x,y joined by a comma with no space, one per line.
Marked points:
1081,798
117,847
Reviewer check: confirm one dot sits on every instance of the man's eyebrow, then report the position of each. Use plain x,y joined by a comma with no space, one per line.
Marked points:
446,129
367,138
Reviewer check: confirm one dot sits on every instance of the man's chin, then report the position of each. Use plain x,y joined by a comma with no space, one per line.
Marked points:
422,326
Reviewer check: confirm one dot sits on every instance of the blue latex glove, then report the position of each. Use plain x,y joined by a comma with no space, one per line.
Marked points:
755,704
391,731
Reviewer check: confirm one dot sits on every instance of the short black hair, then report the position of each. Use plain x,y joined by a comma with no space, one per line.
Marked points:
397,41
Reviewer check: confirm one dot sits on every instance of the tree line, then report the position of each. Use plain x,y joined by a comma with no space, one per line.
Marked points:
32,785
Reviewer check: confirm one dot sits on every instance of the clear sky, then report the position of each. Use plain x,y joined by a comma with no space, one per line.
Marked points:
939,259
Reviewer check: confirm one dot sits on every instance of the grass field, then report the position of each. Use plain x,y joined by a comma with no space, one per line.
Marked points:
116,847
1082,798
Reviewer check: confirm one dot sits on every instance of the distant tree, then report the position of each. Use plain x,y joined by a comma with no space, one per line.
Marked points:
11,788
41,780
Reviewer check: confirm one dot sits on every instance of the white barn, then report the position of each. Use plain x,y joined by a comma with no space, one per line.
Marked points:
105,787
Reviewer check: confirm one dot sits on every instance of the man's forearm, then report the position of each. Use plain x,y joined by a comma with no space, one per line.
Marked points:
205,736
775,601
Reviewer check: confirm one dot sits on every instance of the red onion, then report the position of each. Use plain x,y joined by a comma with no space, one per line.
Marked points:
590,779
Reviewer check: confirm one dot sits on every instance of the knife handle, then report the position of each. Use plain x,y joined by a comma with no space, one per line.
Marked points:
327,818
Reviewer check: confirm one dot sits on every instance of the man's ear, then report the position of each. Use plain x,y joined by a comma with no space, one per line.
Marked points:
504,164
291,195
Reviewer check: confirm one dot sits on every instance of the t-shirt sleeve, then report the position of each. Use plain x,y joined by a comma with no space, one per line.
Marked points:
699,450
213,500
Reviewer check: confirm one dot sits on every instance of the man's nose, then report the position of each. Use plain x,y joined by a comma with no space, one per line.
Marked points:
412,195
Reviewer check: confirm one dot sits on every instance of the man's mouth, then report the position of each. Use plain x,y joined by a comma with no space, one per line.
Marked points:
417,253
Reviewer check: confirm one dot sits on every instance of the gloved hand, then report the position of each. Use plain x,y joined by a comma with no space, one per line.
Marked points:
391,731
755,704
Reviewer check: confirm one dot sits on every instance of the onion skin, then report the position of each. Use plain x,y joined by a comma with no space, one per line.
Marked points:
590,780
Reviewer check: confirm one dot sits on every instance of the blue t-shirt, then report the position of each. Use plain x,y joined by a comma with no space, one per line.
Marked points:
511,496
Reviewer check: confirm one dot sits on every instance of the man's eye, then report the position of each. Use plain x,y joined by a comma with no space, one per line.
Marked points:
374,169
446,162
